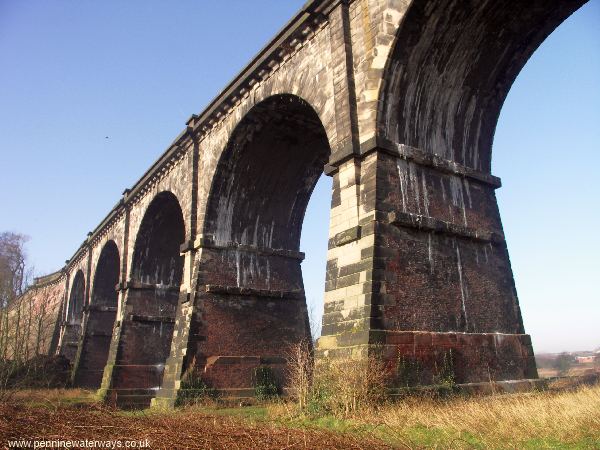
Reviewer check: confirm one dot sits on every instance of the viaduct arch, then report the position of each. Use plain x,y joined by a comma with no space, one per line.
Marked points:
102,312
74,316
398,102
251,261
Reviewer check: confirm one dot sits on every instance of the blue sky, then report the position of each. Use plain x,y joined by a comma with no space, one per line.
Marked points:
74,72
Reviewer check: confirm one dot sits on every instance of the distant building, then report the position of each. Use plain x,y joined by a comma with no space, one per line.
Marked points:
585,359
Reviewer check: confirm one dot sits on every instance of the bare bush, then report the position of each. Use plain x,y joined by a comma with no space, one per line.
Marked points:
354,384
340,385
300,370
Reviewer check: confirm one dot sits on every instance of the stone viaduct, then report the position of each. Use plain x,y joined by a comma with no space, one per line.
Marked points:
198,264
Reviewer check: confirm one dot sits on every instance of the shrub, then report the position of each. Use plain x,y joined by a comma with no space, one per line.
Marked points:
444,376
563,363
339,385
193,389
265,383
408,371
39,372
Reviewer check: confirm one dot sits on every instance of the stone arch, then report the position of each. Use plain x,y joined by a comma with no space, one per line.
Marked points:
101,318
156,258
451,68
268,161
151,302
74,317
249,272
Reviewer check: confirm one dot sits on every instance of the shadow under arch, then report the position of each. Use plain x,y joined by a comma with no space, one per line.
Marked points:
99,325
451,68
151,303
72,333
251,294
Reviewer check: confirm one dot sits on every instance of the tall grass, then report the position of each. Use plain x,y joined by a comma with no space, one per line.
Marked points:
566,419
538,418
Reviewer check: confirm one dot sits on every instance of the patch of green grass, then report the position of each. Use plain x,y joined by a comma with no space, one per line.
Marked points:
422,436
256,413
582,444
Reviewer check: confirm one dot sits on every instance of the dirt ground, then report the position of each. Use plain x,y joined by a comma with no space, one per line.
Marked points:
181,430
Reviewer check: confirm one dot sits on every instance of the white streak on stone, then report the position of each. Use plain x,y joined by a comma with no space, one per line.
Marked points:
414,181
443,189
403,177
425,195
430,254
468,190
463,291
458,199
268,274
238,266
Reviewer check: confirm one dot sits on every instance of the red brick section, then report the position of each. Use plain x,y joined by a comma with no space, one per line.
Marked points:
442,268
425,358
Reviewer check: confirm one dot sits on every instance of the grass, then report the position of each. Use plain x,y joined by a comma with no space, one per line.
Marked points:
530,420
567,419
54,398
536,420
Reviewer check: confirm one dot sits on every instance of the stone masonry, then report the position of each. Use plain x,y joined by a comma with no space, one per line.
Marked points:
197,267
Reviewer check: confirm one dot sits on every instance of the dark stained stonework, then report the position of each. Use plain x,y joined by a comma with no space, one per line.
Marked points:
99,322
398,102
72,325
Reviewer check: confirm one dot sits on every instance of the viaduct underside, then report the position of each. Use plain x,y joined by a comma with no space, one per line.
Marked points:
198,266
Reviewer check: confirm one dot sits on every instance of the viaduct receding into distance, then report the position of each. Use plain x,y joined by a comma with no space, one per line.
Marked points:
198,265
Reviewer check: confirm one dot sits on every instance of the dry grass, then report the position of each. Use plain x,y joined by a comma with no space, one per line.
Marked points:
513,421
536,420
55,397
346,395
532,420
577,370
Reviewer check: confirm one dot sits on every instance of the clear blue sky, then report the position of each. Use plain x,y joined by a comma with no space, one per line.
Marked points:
73,72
